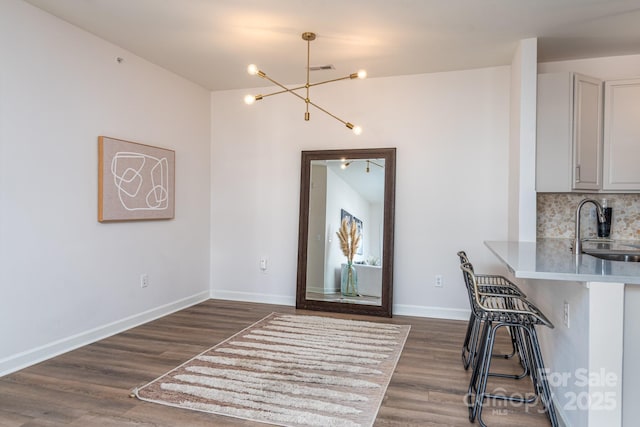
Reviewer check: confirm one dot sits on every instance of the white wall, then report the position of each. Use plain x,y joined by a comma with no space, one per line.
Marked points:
318,229
451,131
65,278
522,143
375,231
631,369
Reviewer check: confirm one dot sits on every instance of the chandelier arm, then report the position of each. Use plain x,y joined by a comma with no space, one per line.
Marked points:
328,113
285,89
330,81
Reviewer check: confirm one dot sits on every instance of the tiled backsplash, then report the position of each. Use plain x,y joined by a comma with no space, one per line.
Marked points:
556,215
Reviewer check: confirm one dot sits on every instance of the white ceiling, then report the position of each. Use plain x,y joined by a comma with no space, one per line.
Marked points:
211,42
369,184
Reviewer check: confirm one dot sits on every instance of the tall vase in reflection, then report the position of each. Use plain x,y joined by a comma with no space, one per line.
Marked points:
350,239
349,280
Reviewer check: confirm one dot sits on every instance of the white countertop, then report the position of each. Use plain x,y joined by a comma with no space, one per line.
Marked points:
552,259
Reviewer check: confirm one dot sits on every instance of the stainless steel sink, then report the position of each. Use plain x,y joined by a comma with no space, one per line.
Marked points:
615,255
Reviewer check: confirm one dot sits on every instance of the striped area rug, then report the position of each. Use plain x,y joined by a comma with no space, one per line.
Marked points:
289,370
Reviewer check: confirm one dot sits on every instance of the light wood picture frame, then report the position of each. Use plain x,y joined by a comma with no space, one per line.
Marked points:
135,181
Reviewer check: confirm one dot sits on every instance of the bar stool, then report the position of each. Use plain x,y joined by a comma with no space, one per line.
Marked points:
470,347
521,316
487,283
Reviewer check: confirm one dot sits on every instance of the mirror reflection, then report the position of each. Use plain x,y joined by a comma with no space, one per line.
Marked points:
346,229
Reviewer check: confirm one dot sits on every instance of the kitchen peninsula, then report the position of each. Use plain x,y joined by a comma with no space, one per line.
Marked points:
591,354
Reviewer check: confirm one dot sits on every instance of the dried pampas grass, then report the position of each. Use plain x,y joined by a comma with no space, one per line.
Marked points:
349,239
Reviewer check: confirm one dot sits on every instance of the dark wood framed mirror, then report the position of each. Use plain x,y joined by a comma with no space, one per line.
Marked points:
357,186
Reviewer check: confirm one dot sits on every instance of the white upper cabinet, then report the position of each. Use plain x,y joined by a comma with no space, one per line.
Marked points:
622,135
587,138
569,133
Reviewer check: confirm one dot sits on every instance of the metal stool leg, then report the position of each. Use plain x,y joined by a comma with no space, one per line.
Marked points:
472,393
484,366
540,373
466,348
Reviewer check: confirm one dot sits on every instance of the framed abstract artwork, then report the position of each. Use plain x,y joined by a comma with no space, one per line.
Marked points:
135,181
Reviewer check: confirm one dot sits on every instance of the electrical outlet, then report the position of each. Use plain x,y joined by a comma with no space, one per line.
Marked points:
566,315
439,282
263,264
144,280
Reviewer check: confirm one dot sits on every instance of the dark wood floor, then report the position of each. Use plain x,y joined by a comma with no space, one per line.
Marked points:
90,386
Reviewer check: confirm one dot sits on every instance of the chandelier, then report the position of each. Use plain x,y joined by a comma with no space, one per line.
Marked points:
309,37
346,164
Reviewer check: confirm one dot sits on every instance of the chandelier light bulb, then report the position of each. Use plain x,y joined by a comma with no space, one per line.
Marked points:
249,99
252,69
357,130
362,74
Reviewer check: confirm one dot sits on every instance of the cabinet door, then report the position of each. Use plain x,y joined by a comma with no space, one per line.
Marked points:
587,133
554,133
622,135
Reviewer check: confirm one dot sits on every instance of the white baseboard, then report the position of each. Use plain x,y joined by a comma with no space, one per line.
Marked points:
322,290
31,357
433,312
254,297
398,309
